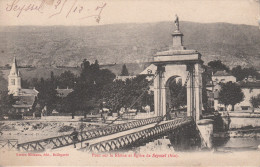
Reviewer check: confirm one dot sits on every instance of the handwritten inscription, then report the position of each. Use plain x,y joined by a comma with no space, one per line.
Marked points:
67,8
19,8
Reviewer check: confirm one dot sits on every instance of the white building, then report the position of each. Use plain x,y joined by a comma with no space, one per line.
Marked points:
124,78
223,76
249,89
26,98
14,80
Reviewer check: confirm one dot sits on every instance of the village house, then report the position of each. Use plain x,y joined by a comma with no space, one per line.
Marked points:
223,77
218,78
250,87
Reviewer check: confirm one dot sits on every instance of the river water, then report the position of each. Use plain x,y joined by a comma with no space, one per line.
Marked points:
237,144
224,145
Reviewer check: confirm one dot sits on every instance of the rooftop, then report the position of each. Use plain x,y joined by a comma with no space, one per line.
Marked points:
149,70
28,92
64,92
123,78
176,52
24,101
222,73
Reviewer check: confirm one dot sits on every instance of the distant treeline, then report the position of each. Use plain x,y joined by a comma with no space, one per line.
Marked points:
67,66
103,65
7,66
107,65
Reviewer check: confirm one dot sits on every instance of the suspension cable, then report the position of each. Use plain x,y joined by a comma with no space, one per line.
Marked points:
148,87
139,98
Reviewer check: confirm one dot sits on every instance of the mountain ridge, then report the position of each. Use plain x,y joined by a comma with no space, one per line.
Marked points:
127,43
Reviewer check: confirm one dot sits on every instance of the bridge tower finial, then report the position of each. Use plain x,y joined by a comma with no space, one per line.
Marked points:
177,25
177,36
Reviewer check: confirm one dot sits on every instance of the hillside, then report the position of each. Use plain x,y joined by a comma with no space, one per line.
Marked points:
40,72
125,43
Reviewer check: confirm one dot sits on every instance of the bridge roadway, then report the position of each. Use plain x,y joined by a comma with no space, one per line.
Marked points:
111,137
134,136
66,140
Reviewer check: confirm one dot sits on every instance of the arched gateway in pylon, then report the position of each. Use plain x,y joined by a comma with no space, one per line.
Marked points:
178,62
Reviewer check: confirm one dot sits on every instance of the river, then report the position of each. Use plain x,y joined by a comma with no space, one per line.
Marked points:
236,144
219,145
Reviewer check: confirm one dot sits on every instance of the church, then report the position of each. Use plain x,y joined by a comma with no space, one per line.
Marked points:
25,98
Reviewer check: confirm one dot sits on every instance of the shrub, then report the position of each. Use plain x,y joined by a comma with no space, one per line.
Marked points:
66,128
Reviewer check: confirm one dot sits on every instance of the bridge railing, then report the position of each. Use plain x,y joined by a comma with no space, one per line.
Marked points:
65,140
138,137
8,144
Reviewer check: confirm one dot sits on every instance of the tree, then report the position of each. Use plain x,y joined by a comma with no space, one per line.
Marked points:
206,77
124,71
178,94
7,66
87,88
230,94
255,102
52,76
66,79
85,70
75,101
238,73
217,65
6,102
242,73
124,93
3,82
25,84
47,94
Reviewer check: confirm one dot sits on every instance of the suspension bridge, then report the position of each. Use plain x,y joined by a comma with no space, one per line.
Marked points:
113,136
176,62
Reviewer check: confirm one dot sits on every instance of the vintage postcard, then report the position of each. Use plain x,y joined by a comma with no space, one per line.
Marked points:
129,83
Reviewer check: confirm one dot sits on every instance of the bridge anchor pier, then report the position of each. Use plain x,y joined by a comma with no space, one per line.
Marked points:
205,127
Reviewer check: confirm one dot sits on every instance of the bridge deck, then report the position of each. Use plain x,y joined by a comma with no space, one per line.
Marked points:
104,138
66,140
113,136
132,136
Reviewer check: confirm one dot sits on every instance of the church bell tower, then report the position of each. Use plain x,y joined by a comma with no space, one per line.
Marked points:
14,80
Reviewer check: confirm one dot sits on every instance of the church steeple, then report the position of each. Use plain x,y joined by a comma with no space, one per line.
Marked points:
14,70
14,79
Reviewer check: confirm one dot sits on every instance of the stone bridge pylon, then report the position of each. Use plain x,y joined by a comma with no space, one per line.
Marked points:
178,62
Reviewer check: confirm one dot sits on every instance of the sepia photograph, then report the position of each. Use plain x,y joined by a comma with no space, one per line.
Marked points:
129,82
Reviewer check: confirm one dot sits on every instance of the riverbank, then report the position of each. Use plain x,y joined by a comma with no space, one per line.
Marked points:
241,132
235,120
29,130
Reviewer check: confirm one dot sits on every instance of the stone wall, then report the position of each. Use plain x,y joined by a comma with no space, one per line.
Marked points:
240,122
61,118
240,119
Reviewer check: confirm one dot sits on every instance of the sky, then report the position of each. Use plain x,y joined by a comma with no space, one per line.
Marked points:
93,12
